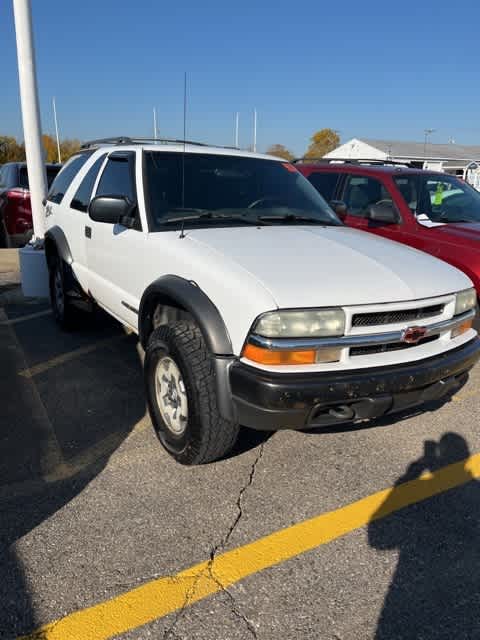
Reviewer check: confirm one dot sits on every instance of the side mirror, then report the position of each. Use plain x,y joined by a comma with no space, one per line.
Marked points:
110,209
383,212
339,207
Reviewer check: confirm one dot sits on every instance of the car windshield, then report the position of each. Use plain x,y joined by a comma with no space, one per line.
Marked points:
23,176
221,190
440,198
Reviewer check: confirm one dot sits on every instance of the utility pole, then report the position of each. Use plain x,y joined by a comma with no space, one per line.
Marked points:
56,131
254,130
154,123
32,130
33,266
237,117
428,132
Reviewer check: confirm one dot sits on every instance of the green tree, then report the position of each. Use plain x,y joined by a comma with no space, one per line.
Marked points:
322,142
10,150
280,151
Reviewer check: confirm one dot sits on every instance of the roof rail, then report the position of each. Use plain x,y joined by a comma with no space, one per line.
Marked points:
119,140
352,161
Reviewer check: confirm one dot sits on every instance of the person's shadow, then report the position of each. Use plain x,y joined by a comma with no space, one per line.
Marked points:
435,591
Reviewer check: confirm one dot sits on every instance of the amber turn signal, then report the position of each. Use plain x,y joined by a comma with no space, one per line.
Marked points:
462,328
269,356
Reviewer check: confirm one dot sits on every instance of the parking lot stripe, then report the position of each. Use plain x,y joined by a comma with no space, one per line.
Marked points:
30,316
71,355
163,596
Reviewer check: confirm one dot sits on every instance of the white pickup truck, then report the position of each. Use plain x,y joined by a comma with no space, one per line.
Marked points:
254,304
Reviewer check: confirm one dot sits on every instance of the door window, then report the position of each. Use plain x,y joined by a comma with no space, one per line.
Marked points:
82,197
325,183
117,178
362,191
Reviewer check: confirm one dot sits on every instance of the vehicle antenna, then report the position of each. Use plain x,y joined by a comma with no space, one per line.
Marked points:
182,234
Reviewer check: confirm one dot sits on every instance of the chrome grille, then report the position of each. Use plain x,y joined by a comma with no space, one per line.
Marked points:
392,317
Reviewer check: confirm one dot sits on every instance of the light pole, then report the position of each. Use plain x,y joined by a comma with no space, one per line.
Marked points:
427,132
254,130
56,131
32,258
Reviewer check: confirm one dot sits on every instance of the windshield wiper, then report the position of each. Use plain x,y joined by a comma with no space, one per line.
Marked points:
202,214
293,217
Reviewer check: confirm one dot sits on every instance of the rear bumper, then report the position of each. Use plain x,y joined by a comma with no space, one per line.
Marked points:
270,401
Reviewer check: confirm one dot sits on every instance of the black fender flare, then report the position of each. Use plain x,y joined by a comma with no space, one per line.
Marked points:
177,291
55,239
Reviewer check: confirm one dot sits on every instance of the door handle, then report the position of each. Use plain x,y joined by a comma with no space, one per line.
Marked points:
88,232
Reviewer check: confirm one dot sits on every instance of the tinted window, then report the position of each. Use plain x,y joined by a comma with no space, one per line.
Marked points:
3,177
117,179
82,197
225,189
65,177
440,198
52,172
325,183
362,191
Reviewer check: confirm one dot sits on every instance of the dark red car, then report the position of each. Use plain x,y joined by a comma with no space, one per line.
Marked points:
15,208
435,212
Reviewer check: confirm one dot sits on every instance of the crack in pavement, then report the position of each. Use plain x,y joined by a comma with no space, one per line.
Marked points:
209,571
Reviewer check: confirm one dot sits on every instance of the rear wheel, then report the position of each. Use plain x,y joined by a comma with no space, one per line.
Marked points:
4,239
182,398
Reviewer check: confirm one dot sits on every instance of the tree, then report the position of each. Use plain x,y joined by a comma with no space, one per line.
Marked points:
322,142
68,147
280,151
50,148
10,150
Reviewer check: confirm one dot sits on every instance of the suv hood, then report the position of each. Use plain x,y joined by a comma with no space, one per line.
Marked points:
309,266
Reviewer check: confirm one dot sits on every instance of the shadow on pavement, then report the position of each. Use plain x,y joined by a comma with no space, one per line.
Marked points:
435,590
58,429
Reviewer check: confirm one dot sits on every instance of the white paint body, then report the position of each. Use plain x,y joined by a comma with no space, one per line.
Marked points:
247,271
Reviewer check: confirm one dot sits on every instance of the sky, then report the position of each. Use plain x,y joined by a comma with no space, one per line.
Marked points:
367,69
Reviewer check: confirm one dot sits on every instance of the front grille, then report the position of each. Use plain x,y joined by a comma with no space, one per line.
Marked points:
385,348
392,317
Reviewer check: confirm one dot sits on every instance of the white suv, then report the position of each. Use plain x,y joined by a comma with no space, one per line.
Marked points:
254,304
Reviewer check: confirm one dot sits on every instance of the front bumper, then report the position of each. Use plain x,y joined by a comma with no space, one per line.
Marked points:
270,401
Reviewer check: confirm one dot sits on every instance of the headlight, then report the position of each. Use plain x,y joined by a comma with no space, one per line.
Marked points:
466,300
301,324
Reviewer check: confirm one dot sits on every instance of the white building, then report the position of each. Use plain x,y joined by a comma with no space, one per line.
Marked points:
456,159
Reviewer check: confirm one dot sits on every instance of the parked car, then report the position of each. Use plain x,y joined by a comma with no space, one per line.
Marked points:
435,212
15,207
254,304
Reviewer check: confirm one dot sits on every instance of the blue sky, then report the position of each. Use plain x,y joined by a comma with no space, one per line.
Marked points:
372,69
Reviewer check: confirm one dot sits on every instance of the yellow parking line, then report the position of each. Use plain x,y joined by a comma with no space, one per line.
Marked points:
66,357
163,596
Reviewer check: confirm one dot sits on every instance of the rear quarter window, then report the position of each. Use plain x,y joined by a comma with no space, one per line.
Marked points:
65,178
325,183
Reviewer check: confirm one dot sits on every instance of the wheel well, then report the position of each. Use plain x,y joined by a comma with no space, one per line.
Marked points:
51,251
161,309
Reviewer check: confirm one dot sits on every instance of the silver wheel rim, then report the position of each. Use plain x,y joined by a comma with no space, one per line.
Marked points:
58,290
171,395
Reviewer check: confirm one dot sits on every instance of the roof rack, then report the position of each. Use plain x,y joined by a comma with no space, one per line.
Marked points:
119,140
360,161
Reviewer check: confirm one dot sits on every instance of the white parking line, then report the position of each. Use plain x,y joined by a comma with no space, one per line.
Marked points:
30,316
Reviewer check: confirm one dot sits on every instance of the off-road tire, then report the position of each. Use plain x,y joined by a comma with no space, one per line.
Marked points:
64,315
207,436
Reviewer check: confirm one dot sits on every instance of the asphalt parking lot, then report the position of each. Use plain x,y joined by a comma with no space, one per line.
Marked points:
333,535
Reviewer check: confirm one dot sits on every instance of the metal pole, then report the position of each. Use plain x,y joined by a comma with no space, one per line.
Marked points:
237,115
30,113
56,131
254,130
154,123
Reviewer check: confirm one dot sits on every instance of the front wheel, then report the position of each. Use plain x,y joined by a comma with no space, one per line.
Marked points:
62,307
182,398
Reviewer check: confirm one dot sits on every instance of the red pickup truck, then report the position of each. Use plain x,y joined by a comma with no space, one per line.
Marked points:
435,212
